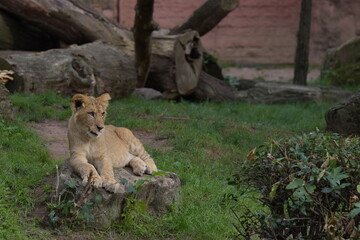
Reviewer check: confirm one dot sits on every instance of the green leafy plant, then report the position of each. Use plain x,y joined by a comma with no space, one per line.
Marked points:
310,184
65,210
135,210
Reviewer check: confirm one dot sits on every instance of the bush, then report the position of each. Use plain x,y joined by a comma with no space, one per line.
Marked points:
310,184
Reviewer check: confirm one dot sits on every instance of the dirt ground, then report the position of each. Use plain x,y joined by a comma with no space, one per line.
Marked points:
267,74
54,134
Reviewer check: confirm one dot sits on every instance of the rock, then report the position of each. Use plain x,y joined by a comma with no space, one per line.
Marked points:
276,92
7,110
342,65
344,118
147,93
157,192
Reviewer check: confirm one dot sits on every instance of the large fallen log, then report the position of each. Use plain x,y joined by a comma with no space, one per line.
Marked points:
214,89
207,16
92,68
276,92
71,21
17,35
176,59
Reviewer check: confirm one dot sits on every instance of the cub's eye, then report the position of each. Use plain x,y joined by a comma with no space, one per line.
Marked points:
103,114
92,114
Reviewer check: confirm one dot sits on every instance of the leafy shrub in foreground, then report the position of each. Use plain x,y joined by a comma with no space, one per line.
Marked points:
311,185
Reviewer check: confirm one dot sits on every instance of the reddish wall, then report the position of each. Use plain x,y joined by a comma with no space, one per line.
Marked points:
258,31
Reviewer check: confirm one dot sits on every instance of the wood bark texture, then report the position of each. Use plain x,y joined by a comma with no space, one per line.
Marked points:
92,68
71,21
214,89
17,35
143,27
277,93
303,41
176,64
207,16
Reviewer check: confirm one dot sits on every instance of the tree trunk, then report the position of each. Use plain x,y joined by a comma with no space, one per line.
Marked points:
207,16
143,27
303,40
76,69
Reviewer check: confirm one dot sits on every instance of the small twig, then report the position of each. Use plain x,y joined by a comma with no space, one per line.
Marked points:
294,219
84,193
315,200
57,183
173,118
281,150
336,144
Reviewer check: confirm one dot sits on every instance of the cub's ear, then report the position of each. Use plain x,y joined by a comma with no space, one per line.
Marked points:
78,101
104,99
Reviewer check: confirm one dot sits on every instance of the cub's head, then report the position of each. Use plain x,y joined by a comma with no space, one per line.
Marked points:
89,113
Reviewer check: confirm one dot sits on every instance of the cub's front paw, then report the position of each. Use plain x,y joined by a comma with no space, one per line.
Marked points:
140,168
150,166
112,185
95,180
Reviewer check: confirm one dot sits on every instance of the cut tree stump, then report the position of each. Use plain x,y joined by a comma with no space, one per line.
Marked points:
176,64
92,68
159,193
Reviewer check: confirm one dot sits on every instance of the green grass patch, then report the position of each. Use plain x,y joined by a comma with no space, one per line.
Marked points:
208,140
24,163
42,106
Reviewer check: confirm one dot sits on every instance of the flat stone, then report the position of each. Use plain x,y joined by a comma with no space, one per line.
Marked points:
147,94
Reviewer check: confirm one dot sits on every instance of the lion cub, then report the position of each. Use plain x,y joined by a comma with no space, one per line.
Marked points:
96,148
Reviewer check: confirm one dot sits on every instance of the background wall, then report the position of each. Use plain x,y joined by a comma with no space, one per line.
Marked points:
258,31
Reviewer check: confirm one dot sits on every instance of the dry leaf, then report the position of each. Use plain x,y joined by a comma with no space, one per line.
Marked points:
5,76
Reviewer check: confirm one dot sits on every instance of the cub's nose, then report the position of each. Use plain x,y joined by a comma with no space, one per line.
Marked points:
99,128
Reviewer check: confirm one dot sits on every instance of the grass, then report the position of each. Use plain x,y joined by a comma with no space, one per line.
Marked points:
209,140
24,163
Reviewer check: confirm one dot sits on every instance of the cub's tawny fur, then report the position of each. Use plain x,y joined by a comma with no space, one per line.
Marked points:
96,148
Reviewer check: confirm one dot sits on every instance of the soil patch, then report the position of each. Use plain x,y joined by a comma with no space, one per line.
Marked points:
268,74
54,134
